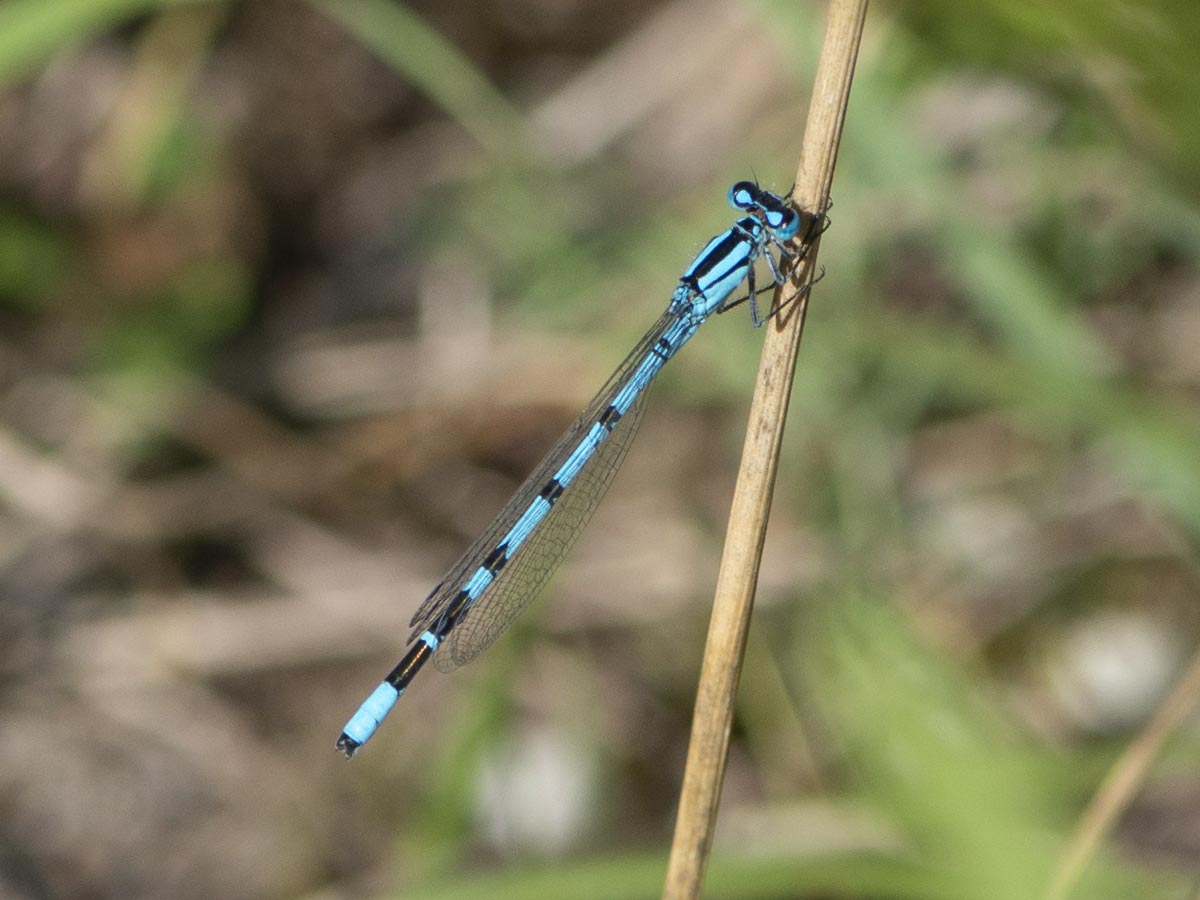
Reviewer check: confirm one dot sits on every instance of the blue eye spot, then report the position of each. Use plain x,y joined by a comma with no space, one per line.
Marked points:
742,194
784,222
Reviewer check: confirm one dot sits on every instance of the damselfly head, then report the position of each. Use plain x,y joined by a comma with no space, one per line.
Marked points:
774,211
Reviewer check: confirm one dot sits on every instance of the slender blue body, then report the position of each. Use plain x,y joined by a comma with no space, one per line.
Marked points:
504,569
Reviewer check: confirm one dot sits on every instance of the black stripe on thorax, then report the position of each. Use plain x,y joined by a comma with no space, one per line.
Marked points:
718,255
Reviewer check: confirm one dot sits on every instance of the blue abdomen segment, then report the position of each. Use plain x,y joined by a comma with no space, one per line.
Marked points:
376,707
364,722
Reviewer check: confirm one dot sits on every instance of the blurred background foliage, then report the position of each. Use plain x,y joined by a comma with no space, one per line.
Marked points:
294,294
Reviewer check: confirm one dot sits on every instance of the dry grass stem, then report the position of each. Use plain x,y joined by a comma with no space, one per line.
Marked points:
1123,781
738,575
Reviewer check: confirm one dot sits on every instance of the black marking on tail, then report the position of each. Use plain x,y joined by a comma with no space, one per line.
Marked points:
401,676
497,559
552,491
